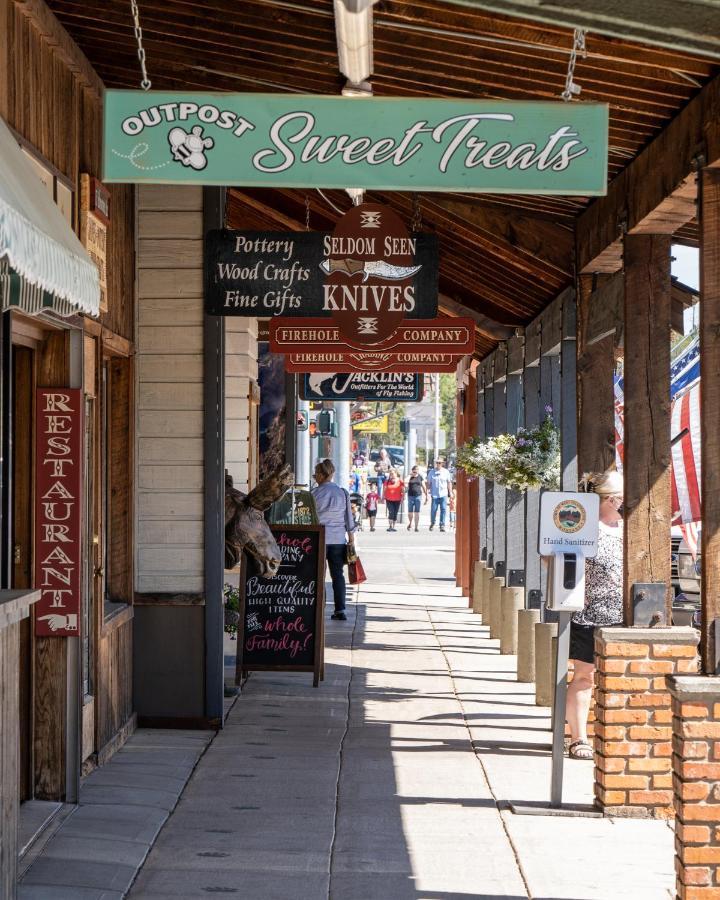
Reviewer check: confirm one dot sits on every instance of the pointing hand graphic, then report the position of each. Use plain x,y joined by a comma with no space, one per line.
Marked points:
57,621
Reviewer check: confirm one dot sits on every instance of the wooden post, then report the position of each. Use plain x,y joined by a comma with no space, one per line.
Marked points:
595,372
532,412
499,427
515,511
489,396
471,486
568,394
480,432
647,415
709,424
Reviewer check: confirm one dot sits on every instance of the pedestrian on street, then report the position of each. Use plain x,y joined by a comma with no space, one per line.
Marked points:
334,512
372,498
416,489
439,482
382,469
394,491
603,607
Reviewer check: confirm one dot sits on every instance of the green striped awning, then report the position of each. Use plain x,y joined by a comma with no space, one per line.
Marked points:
17,293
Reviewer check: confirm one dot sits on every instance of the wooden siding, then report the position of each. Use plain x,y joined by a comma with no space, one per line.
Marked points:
114,703
240,370
169,391
52,105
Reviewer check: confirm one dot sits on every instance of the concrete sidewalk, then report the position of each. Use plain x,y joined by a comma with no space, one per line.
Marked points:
391,780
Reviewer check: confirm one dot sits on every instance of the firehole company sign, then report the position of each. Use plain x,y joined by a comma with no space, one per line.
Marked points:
263,273
421,144
58,507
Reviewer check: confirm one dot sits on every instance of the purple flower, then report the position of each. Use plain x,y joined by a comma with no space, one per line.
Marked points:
521,442
548,409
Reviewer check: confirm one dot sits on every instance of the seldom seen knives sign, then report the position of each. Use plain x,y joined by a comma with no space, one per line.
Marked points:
261,273
403,143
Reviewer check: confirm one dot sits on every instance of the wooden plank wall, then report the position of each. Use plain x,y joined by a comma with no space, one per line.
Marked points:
240,371
169,390
9,753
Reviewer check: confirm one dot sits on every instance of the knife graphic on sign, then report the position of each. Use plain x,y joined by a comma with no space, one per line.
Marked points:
375,268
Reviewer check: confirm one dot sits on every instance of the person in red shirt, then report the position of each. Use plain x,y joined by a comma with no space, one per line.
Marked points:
393,493
372,498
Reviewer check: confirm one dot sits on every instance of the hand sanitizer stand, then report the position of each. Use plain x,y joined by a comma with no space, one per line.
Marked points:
568,535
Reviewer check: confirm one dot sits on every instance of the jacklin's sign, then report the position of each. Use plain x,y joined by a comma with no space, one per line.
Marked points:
401,386
290,140
261,273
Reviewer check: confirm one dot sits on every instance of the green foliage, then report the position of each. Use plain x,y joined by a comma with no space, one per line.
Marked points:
448,399
232,609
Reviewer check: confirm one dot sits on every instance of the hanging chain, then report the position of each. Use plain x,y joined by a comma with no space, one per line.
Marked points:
145,84
571,88
307,213
416,223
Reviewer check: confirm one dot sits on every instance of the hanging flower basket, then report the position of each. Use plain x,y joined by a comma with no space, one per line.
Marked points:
528,460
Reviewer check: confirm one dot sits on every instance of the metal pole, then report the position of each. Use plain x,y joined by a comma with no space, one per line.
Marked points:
342,464
412,447
302,448
558,719
436,424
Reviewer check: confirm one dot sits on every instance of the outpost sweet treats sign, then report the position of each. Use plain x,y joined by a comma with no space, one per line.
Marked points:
420,144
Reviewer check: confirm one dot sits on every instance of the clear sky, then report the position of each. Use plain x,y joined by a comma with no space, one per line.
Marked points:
686,267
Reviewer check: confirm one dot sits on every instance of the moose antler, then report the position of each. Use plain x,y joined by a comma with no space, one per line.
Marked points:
270,488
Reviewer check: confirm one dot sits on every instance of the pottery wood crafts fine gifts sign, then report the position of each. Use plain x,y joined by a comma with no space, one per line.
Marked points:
276,273
58,510
281,617
403,143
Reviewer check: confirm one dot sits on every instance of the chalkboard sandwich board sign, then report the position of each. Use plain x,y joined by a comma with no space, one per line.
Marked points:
281,618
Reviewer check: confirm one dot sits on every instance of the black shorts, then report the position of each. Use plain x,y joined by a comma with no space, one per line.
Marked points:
582,642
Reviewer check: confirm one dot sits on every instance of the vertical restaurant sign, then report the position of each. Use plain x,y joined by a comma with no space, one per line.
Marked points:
94,221
58,506
383,143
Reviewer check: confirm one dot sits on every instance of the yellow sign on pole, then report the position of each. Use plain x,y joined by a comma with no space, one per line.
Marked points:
373,426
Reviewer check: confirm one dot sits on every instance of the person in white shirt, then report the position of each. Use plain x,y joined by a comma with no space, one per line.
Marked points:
439,481
335,513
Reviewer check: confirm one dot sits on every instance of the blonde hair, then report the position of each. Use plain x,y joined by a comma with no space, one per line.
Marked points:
607,484
325,467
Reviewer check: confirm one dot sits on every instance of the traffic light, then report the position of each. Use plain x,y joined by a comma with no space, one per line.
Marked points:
404,426
326,422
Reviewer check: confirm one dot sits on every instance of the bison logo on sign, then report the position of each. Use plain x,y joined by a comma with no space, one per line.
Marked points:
370,267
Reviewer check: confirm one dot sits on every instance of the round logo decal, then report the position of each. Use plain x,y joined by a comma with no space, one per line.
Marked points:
569,516
369,267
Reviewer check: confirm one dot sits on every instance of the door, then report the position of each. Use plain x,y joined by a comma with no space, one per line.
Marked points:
23,393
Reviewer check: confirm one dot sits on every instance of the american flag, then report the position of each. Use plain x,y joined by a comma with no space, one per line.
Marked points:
685,432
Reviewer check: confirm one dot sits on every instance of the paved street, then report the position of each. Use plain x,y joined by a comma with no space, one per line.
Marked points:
391,780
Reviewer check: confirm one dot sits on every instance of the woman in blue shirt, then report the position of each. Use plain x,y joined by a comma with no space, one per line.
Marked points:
334,512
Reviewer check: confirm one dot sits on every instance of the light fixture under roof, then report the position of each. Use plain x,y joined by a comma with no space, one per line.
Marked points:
354,32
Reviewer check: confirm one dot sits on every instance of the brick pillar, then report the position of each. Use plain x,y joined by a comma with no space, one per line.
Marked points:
696,785
633,729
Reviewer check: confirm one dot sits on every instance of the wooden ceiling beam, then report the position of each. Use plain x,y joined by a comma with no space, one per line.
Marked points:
484,324
652,179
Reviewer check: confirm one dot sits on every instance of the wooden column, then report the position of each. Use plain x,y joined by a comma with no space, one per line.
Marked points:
480,432
472,487
489,396
515,500
499,427
647,415
532,409
710,418
461,547
568,394
599,318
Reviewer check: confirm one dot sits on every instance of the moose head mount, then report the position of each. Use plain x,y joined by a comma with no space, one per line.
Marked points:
245,525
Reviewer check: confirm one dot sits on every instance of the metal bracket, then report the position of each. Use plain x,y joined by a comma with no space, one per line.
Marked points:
534,599
483,554
648,602
516,578
490,560
500,569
